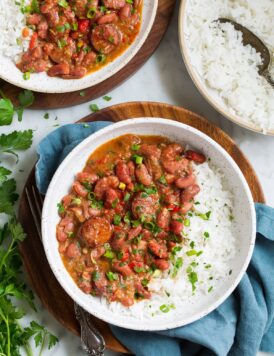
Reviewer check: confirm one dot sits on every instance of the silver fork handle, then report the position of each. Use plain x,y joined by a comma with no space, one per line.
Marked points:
92,340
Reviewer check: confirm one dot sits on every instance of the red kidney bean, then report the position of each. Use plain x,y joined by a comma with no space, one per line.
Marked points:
158,249
163,218
108,18
189,193
123,172
176,227
142,175
195,156
184,182
59,69
161,264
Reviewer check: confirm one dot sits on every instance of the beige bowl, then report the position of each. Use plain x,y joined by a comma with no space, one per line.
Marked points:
201,85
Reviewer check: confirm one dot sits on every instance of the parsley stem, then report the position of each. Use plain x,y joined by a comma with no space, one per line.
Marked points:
6,320
43,344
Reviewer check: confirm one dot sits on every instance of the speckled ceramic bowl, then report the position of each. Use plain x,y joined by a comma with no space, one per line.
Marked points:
209,94
41,82
244,220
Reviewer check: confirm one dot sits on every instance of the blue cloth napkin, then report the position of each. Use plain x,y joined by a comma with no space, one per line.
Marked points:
241,326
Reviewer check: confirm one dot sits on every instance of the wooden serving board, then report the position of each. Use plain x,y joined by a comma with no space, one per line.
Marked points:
53,101
52,296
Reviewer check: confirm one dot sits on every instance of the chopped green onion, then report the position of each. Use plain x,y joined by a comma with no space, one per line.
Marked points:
26,76
95,275
127,197
91,12
135,147
100,58
117,219
94,107
138,159
187,222
107,98
162,180
166,308
61,208
46,116
111,276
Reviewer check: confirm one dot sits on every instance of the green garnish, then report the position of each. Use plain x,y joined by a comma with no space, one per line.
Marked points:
144,282
139,269
205,216
94,107
100,58
127,197
63,3
91,12
193,279
162,180
187,222
210,289
61,208
206,235
112,276
82,93
135,147
178,264
107,98
46,116
138,159
95,275
117,219
26,76
166,308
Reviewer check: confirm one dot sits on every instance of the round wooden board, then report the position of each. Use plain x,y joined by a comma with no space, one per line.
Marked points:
53,101
52,296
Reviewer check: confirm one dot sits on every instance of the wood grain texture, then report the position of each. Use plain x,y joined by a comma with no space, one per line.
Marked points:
53,101
52,296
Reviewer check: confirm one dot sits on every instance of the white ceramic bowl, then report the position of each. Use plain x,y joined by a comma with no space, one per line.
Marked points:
244,219
209,94
41,82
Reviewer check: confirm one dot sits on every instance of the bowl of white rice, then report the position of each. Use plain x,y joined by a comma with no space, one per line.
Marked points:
221,227
222,68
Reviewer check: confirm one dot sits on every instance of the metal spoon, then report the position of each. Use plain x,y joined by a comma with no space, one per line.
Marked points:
250,39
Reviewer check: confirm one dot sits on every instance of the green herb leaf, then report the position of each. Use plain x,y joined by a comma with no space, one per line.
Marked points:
107,98
6,112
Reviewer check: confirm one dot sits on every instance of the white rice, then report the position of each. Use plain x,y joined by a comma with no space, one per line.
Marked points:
12,22
213,265
224,64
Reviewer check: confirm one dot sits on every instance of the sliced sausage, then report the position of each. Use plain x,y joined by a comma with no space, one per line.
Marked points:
105,38
96,231
145,205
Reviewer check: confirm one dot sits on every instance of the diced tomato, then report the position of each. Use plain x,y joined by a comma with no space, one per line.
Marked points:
83,25
173,207
33,40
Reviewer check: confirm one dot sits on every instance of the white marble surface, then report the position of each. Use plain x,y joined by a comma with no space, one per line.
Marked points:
163,78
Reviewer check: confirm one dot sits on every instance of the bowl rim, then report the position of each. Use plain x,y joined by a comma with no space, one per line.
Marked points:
201,87
163,325
75,84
